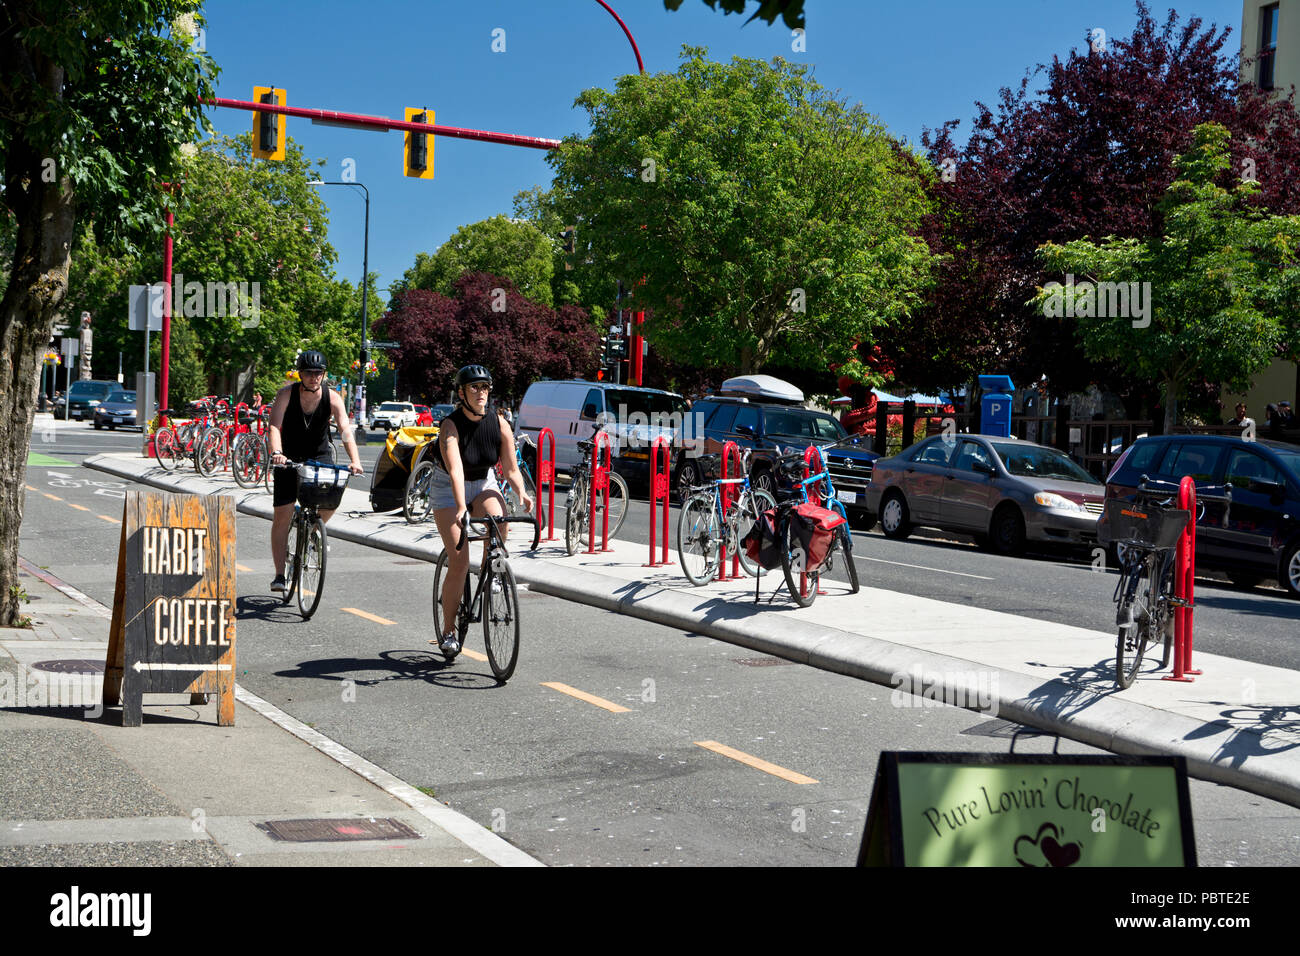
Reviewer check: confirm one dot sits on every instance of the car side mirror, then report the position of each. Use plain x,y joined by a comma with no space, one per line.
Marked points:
1262,487
745,430
589,411
982,467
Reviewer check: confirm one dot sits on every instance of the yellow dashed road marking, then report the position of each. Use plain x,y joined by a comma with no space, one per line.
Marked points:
754,762
51,497
240,567
367,615
583,695
78,507
475,656
107,518
30,488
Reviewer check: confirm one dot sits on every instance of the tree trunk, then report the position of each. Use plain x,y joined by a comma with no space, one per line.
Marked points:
46,216
1171,406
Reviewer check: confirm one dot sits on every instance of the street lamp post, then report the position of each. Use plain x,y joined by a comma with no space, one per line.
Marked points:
365,290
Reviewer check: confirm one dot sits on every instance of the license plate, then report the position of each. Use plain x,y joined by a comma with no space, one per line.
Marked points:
634,454
117,419
848,497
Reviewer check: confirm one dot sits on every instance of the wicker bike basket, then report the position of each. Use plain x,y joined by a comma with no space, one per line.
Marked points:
1142,525
321,484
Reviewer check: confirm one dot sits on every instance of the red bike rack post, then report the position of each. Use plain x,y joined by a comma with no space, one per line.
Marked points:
811,452
1184,576
546,476
600,482
729,496
660,485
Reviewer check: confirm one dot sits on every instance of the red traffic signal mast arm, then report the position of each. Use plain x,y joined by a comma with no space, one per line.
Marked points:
383,123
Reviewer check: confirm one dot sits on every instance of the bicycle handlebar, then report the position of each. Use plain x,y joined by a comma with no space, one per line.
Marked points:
487,521
1208,492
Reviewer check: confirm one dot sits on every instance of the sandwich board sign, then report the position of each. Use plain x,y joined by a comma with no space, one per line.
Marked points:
1029,810
173,628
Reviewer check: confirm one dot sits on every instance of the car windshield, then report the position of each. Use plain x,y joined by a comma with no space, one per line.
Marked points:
623,403
442,411
391,407
89,390
1032,461
121,396
803,425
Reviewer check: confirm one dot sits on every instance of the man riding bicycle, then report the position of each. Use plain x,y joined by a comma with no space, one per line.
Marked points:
300,431
471,441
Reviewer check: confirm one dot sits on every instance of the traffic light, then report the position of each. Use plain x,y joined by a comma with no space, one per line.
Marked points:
417,155
268,128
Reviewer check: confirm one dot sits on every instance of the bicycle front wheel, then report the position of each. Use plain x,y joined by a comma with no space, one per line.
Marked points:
748,509
312,576
699,537
846,547
1135,621
167,448
419,493
802,585
248,459
501,622
211,452
618,499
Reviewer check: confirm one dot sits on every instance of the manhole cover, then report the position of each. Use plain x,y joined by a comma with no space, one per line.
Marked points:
322,831
70,667
760,661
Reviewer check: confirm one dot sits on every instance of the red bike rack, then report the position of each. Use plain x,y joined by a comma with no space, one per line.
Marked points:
660,489
546,476
1185,586
729,496
600,482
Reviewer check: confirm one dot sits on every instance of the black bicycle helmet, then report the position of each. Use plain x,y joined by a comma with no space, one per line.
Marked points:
472,373
311,361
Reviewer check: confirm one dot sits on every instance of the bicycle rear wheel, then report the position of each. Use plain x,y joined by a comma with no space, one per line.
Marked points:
440,627
699,538
501,621
748,509
618,499
210,454
575,515
802,585
167,448
293,558
419,493
248,459
312,575
1135,619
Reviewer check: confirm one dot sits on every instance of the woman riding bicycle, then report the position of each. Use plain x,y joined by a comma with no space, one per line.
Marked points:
300,431
471,441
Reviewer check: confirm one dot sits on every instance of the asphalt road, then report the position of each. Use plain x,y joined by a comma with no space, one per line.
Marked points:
571,781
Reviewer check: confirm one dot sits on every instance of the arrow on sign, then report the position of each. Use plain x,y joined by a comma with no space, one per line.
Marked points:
139,666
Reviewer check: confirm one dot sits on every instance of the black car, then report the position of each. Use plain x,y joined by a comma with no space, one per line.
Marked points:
1253,538
85,396
772,430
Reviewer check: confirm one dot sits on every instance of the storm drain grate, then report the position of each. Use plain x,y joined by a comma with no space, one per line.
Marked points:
760,661
323,831
1004,728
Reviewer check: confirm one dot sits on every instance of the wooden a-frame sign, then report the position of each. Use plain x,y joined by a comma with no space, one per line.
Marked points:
173,628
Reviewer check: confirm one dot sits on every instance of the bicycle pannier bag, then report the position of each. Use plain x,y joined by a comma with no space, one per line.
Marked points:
761,544
812,529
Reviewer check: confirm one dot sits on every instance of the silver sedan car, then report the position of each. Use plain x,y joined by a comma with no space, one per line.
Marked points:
1003,491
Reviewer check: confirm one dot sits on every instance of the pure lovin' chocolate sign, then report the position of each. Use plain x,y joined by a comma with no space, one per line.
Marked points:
965,809
173,628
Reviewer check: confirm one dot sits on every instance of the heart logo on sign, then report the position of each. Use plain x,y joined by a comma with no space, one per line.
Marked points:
1046,849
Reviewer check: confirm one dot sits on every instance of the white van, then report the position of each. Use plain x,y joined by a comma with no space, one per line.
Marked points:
633,416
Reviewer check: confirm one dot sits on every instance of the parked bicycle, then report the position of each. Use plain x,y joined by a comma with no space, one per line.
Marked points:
801,580
513,505
577,504
250,455
704,530
175,443
1145,535
320,487
491,598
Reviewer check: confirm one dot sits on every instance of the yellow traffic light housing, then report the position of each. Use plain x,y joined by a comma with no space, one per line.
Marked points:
268,128
417,154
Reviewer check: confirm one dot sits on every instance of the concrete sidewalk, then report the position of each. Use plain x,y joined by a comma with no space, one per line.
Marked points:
1237,724
77,789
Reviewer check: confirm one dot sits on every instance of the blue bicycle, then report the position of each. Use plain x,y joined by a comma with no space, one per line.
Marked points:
703,530
790,468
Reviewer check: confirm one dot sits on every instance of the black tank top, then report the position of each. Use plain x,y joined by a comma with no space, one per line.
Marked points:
480,442
304,437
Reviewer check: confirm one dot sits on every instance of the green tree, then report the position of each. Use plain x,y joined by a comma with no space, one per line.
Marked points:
1210,299
517,250
758,217
95,98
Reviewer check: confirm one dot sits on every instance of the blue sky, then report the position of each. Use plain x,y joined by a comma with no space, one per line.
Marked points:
914,65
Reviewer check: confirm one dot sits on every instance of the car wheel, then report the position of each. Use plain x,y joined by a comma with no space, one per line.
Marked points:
895,520
1290,576
112,428
764,480
1007,530
862,520
98,426
688,476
